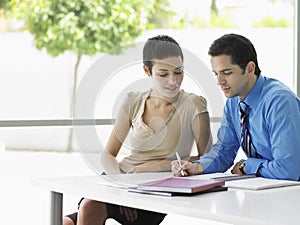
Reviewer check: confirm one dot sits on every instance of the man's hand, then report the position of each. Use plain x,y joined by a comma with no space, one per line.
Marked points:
188,168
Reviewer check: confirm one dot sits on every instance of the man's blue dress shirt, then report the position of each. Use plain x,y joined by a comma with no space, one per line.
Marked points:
274,125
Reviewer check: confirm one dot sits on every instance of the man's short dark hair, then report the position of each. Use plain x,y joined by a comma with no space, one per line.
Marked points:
238,47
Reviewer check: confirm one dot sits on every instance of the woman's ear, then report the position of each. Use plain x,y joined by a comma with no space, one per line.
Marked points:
146,70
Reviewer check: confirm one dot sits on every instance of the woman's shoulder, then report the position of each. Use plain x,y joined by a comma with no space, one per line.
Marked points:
195,98
133,102
135,96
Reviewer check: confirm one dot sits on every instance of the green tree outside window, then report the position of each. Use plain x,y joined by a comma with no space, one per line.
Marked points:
85,27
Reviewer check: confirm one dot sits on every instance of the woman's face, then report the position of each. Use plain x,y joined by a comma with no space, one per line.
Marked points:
167,76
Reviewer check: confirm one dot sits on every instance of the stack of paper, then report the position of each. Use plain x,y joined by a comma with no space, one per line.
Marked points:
259,183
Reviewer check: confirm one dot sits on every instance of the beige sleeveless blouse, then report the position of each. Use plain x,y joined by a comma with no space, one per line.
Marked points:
176,133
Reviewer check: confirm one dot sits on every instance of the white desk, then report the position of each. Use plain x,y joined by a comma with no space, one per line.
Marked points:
279,206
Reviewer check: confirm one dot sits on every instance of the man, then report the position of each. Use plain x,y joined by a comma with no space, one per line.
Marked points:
267,126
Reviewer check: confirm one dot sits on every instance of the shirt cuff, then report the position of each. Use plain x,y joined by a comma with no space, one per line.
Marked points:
253,165
205,165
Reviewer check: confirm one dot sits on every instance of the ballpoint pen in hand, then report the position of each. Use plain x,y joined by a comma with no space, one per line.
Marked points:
179,162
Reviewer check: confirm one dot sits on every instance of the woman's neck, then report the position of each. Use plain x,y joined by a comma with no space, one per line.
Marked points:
159,100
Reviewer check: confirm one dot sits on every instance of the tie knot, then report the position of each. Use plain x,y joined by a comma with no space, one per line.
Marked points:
243,107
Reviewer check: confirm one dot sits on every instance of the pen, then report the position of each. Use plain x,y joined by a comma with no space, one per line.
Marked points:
179,162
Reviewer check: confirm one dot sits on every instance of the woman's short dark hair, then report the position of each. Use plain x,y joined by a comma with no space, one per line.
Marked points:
160,47
238,47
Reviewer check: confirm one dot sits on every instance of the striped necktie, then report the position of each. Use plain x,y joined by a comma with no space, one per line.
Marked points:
246,142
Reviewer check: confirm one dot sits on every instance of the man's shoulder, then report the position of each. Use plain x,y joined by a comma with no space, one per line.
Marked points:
278,97
274,88
274,85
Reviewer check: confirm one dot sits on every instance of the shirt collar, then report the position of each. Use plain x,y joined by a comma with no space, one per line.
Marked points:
253,97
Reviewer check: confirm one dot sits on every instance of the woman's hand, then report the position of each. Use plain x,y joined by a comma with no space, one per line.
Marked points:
109,163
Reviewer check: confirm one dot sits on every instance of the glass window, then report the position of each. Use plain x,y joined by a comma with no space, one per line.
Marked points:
36,86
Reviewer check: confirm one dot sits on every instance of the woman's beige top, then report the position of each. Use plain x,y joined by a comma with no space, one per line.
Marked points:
175,134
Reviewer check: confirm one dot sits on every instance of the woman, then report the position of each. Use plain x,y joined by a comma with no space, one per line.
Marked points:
162,120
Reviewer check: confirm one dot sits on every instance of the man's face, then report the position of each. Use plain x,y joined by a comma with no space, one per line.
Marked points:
231,78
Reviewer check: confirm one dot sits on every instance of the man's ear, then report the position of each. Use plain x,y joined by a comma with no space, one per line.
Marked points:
146,70
250,68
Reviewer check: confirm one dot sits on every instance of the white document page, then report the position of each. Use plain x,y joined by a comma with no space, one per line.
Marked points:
259,183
